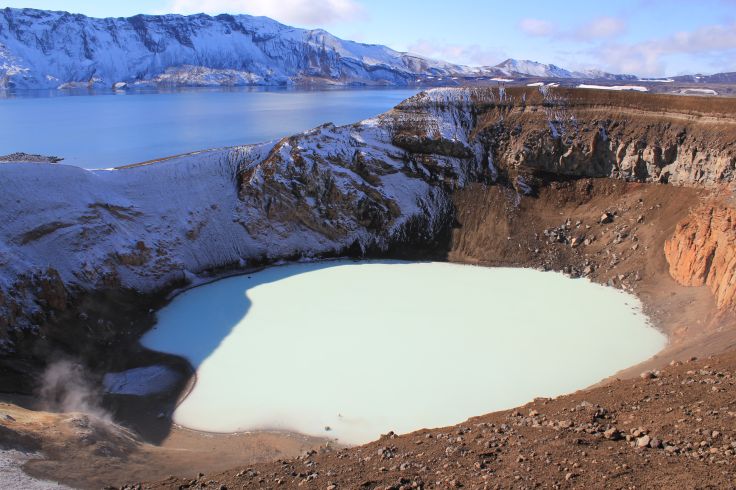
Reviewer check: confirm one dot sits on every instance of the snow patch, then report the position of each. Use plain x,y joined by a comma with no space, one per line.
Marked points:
701,91
143,381
636,88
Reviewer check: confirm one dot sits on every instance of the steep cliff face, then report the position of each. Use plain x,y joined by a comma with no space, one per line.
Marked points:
635,137
702,251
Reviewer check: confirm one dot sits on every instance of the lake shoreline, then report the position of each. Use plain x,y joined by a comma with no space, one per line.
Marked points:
329,325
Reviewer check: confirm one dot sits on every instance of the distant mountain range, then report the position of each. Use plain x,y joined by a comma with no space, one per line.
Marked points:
45,49
717,78
525,68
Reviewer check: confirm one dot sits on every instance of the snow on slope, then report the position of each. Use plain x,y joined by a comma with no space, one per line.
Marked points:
527,68
142,381
43,49
94,216
594,74
532,68
320,192
698,91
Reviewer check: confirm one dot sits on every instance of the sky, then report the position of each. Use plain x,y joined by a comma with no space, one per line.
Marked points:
642,37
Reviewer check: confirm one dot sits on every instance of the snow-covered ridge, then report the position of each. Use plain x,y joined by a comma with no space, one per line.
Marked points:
45,49
533,68
320,193
527,68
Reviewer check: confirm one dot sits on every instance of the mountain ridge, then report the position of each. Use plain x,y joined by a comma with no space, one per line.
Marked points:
724,77
515,67
57,49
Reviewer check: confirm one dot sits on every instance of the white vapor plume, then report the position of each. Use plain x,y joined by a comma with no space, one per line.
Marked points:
65,387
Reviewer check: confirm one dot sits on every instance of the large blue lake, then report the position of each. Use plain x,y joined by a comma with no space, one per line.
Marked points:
109,129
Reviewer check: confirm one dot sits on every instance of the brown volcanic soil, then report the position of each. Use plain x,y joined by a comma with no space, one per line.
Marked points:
84,451
676,429
657,103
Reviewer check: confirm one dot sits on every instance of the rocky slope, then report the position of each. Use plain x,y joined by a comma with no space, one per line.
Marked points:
28,158
628,136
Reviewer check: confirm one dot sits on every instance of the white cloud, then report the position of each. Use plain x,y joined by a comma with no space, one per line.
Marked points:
473,54
635,59
650,57
303,12
601,27
537,27
706,39
598,28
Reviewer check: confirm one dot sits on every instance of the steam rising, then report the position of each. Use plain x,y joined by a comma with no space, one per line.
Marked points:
65,387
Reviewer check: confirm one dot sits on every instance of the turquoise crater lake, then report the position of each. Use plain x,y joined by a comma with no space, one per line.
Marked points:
351,350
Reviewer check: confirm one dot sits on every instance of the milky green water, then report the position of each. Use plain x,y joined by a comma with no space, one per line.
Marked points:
364,348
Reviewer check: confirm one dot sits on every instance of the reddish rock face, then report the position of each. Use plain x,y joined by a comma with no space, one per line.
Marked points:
703,252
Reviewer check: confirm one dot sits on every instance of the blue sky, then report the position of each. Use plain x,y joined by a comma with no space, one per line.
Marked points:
645,37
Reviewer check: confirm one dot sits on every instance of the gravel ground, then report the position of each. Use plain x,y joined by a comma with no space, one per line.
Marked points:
13,476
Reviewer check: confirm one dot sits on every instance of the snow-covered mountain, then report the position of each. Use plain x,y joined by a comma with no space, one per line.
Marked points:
44,49
512,67
527,68
594,74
